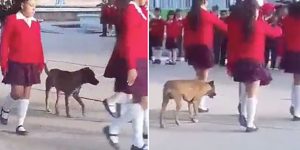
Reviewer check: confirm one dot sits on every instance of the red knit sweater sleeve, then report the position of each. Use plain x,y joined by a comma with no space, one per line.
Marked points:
6,37
129,25
272,32
221,25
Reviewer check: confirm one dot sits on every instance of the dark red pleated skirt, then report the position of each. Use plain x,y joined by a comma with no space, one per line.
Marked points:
156,41
140,87
247,71
171,43
22,74
291,62
199,56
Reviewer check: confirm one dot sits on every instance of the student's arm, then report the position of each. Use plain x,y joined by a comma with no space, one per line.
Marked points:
6,38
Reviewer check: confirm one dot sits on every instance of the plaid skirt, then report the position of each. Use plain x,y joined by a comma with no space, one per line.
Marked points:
199,56
247,71
291,62
22,74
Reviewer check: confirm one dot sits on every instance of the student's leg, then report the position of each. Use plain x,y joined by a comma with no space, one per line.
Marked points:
296,96
252,91
202,74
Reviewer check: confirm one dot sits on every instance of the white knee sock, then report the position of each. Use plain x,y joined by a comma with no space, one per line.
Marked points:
251,111
157,53
137,125
146,121
8,103
174,56
127,116
297,100
293,98
203,103
243,99
118,97
22,110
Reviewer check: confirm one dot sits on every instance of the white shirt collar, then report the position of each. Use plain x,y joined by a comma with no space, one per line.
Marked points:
20,16
138,8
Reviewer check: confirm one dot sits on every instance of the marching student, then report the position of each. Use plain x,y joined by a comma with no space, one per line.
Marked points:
198,40
156,36
291,55
246,43
134,53
172,30
22,60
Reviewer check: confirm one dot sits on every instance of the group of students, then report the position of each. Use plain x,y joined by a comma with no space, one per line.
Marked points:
22,62
246,30
173,27
108,16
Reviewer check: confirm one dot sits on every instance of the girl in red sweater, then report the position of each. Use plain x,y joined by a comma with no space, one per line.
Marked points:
172,29
246,43
291,55
156,36
22,60
134,55
198,40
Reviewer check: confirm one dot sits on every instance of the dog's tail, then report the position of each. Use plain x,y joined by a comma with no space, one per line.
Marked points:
46,69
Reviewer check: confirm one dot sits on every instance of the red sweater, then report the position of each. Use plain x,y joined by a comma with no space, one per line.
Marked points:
291,34
21,43
205,33
135,35
254,48
172,28
179,23
157,27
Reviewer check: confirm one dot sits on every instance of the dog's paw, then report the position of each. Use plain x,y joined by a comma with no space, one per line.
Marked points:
69,116
162,126
57,113
177,122
83,115
195,120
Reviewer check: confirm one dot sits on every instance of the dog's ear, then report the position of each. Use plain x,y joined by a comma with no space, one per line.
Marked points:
211,83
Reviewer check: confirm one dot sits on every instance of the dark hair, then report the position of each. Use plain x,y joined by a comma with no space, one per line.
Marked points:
178,10
246,12
157,9
294,10
170,13
13,9
193,16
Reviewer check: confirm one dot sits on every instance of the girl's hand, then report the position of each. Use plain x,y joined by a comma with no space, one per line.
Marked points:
132,75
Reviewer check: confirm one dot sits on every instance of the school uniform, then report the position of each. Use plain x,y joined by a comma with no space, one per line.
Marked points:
21,50
22,60
199,44
291,39
246,58
156,37
134,54
172,30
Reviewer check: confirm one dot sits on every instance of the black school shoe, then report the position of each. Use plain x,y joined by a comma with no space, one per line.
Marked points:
22,133
156,61
251,129
3,120
292,111
145,147
295,118
203,110
108,137
145,136
170,63
116,114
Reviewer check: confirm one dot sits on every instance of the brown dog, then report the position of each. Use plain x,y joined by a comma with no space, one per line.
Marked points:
70,83
190,91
